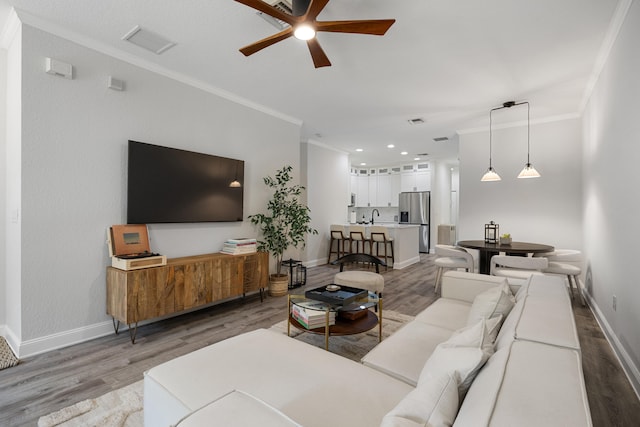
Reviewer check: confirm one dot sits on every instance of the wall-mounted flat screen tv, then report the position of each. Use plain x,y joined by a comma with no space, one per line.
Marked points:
168,185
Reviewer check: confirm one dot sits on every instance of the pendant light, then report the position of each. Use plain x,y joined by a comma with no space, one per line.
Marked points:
529,171
490,174
235,183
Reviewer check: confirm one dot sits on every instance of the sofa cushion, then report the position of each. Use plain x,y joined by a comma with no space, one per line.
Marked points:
434,403
404,353
480,400
463,354
465,286
492,302
296,378
237,408
446,313
554,395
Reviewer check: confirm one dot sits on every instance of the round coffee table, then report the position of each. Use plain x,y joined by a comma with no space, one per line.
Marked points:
353,319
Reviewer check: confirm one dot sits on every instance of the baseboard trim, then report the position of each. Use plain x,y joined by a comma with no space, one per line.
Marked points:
406,263
47,343
630,369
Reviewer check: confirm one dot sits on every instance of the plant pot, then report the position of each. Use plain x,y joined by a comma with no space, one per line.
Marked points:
278,285
505,240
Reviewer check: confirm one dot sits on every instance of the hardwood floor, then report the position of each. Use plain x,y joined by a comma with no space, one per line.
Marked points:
48,382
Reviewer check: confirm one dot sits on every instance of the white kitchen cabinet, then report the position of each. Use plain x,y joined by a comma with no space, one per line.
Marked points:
373,188
416,177
362,192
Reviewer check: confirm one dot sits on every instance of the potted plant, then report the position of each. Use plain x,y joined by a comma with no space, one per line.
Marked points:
286,224
505,239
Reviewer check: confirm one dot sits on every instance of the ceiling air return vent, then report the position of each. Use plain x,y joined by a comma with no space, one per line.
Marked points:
148,40
282,5
441,139
416,121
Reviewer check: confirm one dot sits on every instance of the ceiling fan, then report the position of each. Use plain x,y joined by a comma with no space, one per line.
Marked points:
303,25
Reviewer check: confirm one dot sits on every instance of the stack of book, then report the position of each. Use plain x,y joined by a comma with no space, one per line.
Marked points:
240,246
312,315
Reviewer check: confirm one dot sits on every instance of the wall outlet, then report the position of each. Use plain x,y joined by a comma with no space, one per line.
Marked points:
615,303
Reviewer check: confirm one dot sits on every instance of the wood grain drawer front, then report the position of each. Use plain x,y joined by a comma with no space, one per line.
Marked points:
182,284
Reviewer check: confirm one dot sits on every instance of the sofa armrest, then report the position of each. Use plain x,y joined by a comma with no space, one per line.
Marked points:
465,286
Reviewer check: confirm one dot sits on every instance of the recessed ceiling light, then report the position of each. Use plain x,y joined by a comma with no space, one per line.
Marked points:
363,164
359,150
390,146
416,158
404,153
148,40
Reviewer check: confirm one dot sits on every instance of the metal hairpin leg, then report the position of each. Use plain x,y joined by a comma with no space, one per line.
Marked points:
132,331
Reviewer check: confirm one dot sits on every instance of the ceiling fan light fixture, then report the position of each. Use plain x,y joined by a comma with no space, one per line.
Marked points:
304,32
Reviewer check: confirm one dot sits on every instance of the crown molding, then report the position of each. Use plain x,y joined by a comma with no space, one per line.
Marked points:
11,28
65,33
550,119
619,16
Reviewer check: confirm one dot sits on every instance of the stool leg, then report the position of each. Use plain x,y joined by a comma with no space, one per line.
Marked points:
330,247
570,287
438,273
393,258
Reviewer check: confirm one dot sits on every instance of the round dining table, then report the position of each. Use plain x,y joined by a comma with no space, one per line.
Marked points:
487,250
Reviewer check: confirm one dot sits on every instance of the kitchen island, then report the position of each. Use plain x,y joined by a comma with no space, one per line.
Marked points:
405,242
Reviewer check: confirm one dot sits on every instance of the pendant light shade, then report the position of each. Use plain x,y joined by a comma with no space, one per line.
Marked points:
529,171
490,174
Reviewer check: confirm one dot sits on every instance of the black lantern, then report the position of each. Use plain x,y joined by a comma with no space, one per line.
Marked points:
491,232
301,275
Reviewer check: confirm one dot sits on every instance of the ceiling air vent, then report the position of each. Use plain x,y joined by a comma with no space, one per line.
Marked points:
416,121
148,40
283,6
441,139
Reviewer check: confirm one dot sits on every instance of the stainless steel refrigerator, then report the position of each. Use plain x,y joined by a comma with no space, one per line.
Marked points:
414,208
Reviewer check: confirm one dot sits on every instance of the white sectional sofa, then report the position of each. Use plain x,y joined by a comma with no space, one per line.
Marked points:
443,368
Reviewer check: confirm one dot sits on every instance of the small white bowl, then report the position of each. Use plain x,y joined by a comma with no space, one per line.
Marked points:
332,288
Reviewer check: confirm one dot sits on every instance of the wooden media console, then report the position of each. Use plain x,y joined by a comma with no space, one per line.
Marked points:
182,284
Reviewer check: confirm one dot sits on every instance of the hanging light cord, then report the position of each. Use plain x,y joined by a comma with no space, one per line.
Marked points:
528,131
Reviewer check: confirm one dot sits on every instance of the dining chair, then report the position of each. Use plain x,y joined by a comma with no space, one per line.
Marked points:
451,257
517,269
566,262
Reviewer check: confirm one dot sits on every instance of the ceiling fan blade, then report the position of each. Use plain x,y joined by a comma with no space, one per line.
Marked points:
320,59
376,27
263,7
266,42
315,8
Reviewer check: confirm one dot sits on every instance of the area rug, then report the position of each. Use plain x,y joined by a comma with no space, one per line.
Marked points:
123,407
118,408
353,347
7,358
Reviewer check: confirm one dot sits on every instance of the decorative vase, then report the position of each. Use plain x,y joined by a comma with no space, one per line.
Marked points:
278,285
505,240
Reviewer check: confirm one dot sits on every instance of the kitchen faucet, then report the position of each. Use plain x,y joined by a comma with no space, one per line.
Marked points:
375,210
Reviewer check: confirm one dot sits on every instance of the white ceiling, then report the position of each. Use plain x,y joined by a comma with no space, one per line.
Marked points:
446,61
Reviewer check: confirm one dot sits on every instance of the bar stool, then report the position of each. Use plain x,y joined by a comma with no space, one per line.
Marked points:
339,235
357,235
380,234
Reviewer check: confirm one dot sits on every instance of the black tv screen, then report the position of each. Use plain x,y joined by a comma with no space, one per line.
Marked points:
171,185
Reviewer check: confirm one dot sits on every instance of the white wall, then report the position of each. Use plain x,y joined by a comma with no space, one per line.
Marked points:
73,148
611,203
3,183
13,255
541,210
328,191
